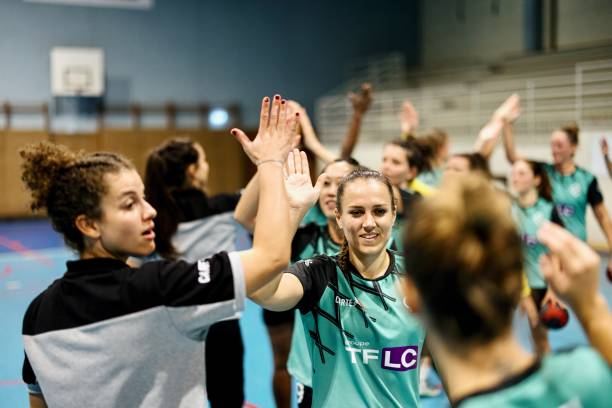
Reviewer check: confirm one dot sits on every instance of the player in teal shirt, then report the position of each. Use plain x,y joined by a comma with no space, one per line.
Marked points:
464,280
531,209
571,194
573,187
315,239
364,344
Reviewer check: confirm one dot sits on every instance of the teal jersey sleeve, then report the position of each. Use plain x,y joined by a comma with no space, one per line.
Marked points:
571,195
577,378
528,221
363,342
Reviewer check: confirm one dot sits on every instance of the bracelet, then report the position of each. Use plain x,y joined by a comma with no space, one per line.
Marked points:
269,161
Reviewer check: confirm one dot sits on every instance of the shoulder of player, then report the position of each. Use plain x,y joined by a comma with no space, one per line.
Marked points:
318,261
582,172
595,373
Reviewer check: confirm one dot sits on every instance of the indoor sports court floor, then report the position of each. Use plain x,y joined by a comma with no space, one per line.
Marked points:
32,255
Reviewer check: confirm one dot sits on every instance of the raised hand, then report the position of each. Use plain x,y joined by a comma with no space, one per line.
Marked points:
571,268
604,146
409,118
361,101
509,110
276,134
301,194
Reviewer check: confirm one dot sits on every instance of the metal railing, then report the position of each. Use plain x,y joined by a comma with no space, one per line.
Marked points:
550,97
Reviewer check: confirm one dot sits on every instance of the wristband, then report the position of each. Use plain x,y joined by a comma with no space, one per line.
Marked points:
269,161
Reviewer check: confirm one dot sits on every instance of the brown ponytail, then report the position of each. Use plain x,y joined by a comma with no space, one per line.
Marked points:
545,188
166,171
343,256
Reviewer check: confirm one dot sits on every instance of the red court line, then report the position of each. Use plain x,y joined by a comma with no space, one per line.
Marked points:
11,382
21,249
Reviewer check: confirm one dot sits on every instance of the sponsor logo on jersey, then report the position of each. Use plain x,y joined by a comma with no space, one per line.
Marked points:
403,358
538,218
346,302
203,271
565,210
575,189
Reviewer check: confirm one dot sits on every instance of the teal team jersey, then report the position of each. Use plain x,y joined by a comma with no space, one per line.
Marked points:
363,342
528,221
573,379
309,241
571,194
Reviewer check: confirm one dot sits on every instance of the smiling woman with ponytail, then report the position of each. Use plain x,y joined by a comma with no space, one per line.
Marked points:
363,343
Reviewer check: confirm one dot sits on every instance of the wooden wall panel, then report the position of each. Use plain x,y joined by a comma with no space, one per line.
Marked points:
134,144
230,169
75,142
14,199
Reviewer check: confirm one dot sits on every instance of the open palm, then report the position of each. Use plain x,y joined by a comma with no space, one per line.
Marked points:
301,194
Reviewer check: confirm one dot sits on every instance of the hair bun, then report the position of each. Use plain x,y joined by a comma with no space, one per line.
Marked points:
572,127
42,163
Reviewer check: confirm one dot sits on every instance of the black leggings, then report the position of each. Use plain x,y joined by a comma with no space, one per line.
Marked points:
225,365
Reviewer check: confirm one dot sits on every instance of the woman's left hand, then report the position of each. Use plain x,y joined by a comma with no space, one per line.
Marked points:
301,194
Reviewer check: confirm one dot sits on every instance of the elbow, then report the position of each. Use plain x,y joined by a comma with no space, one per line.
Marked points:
280,260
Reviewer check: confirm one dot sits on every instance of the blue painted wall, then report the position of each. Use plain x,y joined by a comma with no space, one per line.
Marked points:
193,50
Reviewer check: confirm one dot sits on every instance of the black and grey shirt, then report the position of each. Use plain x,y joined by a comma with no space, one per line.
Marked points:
206,224
107,335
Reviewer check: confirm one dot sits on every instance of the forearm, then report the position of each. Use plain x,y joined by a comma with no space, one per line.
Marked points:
37,401
603,218
246,210
596,321
487,137
352,136
266,296
509,145
273,232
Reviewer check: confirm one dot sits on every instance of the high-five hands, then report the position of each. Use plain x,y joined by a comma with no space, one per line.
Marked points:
276,135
